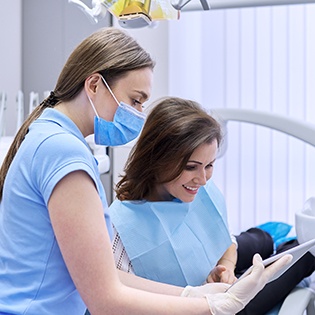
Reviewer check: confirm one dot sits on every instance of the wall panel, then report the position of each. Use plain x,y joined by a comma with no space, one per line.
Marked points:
261,59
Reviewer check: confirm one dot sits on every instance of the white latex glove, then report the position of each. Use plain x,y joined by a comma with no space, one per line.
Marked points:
203,290
236,298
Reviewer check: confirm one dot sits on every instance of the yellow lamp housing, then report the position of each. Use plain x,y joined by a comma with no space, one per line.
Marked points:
135,14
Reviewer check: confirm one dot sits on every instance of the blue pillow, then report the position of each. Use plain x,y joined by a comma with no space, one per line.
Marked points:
277,230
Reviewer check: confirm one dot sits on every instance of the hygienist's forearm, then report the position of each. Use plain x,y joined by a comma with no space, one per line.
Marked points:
136,282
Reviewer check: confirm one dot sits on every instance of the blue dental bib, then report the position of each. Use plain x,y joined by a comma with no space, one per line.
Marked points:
171,241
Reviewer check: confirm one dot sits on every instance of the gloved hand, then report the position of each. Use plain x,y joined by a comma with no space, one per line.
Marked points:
238,295
203,290
226,302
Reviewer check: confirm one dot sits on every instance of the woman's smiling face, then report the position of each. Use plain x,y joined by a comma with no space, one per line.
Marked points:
197,172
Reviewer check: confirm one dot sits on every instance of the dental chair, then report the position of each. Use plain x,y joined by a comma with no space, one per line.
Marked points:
301,300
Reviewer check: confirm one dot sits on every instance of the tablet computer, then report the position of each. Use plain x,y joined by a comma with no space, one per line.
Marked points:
297,252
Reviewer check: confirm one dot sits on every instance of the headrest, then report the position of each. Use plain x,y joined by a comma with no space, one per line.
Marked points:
309,207
305,222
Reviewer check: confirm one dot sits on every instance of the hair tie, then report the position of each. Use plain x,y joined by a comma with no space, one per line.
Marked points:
52,99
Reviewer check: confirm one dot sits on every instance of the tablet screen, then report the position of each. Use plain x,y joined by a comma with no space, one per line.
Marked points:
297,252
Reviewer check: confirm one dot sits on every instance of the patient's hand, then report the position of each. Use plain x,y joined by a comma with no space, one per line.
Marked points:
221,273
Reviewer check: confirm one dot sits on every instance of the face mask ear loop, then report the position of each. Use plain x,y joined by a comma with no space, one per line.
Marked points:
110,91
93,106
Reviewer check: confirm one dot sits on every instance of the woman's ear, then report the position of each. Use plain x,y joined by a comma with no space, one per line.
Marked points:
91,84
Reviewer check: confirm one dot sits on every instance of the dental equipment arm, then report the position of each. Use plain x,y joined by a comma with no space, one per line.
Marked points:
136,14
98,9
197,5
299,129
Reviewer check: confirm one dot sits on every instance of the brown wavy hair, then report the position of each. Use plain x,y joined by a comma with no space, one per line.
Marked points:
173,130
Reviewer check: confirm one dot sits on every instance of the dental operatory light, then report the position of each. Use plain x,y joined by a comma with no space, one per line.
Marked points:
142,13
135,14
129,13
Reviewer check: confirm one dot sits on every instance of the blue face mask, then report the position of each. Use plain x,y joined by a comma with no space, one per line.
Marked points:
125,127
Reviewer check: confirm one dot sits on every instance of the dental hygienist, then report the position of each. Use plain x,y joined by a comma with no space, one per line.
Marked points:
55,249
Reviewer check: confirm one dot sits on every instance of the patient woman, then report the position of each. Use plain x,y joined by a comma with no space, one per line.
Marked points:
170,219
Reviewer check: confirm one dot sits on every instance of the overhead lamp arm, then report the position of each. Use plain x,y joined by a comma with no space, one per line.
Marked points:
296,128
136,13
197,5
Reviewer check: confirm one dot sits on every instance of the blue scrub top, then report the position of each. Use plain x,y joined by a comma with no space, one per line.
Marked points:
33,276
